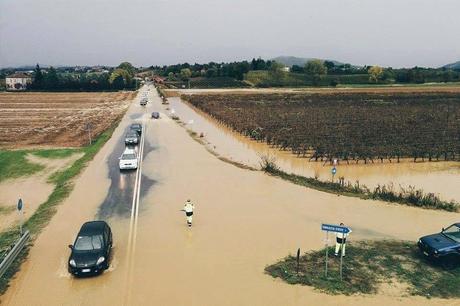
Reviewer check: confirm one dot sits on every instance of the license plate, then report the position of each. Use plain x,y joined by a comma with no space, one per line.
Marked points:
86,270
425,253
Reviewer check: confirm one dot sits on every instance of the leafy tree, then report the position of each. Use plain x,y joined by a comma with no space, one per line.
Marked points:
329,65
211,72
51,80
118,82
388,75
298,69
375,73
127,78
185,74
171,76
128,67
447,75
38,78
316,69
415,75
277,73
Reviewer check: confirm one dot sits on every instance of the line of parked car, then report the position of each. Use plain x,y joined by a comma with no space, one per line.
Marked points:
91,250
129,159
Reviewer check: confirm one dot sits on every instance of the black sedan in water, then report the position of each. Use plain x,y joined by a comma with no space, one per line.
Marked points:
136,127
91,249
443,246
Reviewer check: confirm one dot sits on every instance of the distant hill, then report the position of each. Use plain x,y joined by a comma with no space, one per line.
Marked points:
455,65
299,61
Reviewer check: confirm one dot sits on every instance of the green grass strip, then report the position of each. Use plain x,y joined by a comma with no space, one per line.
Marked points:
55,153
41,217
14,164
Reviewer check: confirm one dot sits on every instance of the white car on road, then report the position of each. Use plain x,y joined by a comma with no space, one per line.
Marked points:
128,159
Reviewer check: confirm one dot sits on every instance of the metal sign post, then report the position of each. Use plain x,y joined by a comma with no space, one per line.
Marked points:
327,250
341,260
88,127
20,206
335,229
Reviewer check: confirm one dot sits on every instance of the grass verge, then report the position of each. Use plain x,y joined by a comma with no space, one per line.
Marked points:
409,196
14,164
64,185
5,210
367,266
55,153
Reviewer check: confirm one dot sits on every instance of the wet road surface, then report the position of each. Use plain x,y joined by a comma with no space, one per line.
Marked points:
244,220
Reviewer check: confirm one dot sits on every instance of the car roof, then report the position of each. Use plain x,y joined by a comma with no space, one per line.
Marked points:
129,151
135,124
92,227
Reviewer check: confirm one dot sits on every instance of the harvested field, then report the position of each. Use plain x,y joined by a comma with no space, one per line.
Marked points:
368,126
57,119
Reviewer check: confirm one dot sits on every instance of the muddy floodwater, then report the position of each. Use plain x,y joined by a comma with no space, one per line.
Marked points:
442,178
244,220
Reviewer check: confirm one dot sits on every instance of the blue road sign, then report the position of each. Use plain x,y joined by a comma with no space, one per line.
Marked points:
335,228
334,170
20,204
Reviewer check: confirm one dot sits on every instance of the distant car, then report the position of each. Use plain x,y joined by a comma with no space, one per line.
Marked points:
128,160
136,127
143,102
156,115
131,138
91,249
444,245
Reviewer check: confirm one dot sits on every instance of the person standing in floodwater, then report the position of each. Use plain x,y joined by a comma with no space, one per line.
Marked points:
340,243
188,209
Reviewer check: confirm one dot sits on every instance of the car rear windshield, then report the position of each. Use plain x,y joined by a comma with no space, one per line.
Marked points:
131,135
128,156
88,243
136,126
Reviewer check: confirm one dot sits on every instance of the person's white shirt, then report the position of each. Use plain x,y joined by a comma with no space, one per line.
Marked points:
189,207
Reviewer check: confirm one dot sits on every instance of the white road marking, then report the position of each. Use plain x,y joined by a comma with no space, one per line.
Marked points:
134,218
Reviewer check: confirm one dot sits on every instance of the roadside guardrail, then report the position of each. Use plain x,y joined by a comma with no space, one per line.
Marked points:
14,252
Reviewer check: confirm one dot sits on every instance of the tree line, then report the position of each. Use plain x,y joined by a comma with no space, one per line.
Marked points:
314,70
236,70
122,77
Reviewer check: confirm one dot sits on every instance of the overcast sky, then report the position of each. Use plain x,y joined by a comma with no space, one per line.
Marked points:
393,33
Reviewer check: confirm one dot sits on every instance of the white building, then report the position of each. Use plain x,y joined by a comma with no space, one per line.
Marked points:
286,69
18,81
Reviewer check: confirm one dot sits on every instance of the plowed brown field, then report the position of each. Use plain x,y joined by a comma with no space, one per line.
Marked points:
57,119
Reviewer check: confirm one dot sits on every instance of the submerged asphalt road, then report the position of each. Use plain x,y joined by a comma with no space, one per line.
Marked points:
121,191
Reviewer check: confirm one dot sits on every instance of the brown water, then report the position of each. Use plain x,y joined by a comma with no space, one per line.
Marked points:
244,220
442,178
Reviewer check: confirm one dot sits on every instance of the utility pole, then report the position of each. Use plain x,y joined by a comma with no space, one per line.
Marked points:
88,128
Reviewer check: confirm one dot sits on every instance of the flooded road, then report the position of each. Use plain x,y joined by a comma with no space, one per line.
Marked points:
244,221
442,178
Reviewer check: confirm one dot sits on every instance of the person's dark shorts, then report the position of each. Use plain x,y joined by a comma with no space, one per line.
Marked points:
189,214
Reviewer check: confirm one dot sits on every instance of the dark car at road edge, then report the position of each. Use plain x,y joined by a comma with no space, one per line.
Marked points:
443,246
